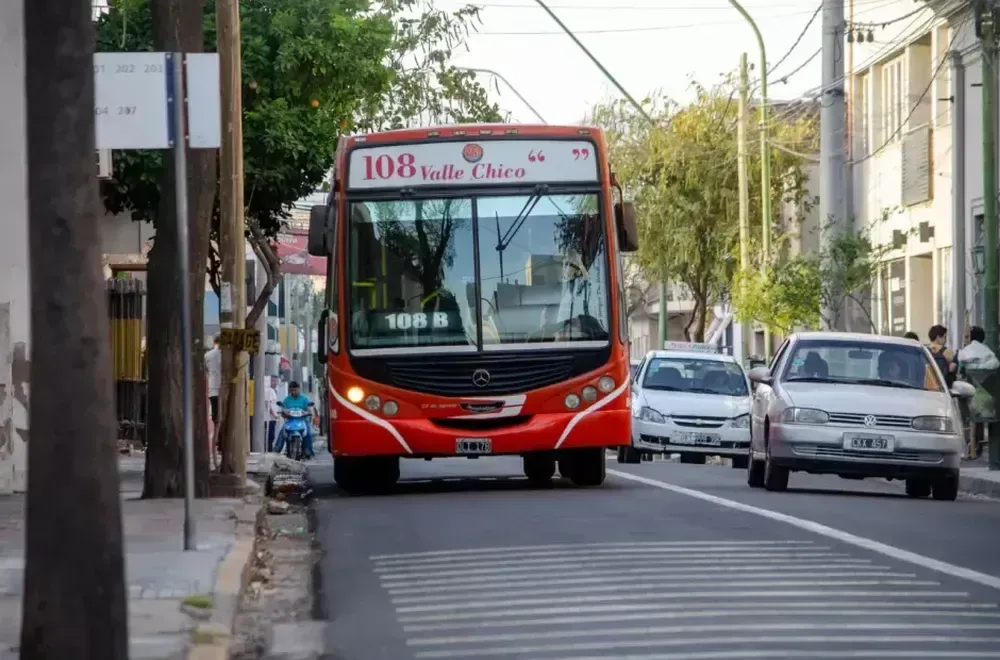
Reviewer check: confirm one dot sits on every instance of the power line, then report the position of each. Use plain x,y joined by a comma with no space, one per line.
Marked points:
798,39
784,78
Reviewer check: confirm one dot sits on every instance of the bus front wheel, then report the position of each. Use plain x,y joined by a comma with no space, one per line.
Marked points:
584,467
539,467
367,474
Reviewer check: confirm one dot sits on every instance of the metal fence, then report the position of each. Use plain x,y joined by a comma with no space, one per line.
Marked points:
126,297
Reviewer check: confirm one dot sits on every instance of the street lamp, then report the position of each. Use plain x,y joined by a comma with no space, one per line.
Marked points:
765,154
496,75
979,260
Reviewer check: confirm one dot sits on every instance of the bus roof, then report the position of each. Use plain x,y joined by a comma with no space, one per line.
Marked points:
472,130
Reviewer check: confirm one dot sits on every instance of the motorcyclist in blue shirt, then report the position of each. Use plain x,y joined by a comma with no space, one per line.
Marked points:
296,400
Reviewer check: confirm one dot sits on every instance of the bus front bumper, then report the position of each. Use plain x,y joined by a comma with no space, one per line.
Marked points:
425,438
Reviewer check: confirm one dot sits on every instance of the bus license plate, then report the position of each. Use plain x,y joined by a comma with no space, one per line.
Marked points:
473,446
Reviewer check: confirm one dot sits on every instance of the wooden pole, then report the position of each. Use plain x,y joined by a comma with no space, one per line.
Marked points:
232,244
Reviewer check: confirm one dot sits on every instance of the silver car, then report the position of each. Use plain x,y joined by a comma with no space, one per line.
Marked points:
858,406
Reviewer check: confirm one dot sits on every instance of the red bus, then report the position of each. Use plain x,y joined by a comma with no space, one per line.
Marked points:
475,304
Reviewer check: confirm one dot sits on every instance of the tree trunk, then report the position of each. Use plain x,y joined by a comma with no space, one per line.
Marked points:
177,26
696,326
74,603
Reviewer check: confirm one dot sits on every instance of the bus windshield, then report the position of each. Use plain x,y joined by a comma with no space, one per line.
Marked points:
535,264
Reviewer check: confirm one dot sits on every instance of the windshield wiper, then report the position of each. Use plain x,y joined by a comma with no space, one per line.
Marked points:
812,379
515,226
882,382
662,388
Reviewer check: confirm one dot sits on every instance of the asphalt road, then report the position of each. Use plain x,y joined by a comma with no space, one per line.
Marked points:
666,561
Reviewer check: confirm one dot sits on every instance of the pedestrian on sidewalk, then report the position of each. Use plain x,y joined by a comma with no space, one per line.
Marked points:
271,400
943,356
213,366
974,360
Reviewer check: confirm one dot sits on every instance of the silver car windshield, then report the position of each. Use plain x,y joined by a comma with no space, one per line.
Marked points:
862,363
695,376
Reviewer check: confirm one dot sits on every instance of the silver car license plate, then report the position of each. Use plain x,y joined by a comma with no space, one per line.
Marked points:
699,439
474,446
870,442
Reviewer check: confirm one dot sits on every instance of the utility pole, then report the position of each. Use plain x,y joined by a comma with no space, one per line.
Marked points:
232,243
832,140
746,327
958,240
986,31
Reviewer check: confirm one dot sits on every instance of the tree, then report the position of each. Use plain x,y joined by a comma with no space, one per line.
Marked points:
682,174
74,602
312,70
791,295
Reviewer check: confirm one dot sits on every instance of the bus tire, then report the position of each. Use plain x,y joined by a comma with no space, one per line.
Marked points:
539,467
584,467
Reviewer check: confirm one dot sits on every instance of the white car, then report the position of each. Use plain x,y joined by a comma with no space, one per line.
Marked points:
692,401
858,406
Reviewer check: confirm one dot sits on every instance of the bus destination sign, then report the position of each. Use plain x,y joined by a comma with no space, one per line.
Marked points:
459,163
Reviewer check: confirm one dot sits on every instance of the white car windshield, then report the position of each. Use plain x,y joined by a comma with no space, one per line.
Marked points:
697,376
862,363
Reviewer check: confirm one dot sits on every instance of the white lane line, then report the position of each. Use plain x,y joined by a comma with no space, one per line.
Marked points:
571,546
944,609
412,605
587,551
621,573
685,584
701,641
823,530
792,653
482,567
596,584
692,630
699,615
607,556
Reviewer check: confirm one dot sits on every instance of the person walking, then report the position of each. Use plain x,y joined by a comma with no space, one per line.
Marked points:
213,367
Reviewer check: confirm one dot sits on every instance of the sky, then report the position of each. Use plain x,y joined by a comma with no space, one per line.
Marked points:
648,45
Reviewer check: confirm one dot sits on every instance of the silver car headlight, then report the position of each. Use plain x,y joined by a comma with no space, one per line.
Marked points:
804,416
741,422
933,424
650,415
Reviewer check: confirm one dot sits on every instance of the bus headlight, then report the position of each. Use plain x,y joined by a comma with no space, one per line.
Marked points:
355,394
605,384
590,394
373,403
390,408
572,401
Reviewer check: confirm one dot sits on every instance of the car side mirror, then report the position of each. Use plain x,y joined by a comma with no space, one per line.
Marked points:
320,221
962,390
628,226
322,339
760,376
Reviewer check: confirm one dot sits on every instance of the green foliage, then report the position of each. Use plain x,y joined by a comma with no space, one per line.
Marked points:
312,70
791,296
682,173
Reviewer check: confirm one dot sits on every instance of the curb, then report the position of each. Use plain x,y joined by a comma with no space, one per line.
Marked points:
973,485
210,639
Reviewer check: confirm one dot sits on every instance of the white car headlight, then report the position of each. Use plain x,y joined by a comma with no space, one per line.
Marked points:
933,424
804,416
741,422
650,415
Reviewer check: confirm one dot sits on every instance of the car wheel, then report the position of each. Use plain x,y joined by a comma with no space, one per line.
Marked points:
741,462
621,454
632,456
693,459
775,476
946,488
583,467
918,488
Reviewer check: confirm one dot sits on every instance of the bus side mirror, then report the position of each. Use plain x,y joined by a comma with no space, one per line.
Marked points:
322,340
628,227
319,225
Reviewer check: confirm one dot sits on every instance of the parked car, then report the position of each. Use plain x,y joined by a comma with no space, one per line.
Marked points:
858,406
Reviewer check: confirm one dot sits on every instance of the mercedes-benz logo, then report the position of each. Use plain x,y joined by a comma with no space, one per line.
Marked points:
870,420
481,378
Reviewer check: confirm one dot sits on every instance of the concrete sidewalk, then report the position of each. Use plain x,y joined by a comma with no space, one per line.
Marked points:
980,481
160,575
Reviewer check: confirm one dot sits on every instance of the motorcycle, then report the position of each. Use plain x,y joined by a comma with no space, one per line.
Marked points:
295,430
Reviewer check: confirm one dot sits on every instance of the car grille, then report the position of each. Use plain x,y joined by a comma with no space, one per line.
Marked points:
691,421
826,451
883,421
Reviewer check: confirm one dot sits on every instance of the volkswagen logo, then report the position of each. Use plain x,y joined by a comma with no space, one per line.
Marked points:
870,420
481,378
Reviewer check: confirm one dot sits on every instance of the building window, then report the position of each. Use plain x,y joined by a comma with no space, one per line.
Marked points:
893,99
